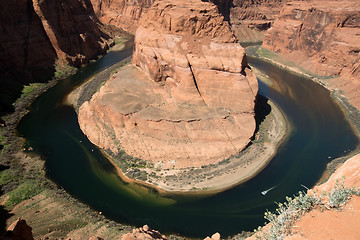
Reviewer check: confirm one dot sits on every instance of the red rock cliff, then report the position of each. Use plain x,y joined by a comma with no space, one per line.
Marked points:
121,13
35,33
198,106
251,18
191,50
324,38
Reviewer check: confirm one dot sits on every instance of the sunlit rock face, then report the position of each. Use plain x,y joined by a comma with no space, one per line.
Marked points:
121,13
324,38
190,99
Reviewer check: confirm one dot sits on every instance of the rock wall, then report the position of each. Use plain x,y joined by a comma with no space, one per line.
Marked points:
251,18
126,13
198,106
35,33
191,50
324,38
121,13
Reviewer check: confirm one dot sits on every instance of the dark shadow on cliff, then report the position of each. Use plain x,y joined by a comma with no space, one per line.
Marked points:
71,32
262,109
12,84
224,7
26,54
4,214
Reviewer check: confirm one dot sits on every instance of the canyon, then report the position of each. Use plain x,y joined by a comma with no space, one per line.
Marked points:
323,38
187,59
319,36
249,19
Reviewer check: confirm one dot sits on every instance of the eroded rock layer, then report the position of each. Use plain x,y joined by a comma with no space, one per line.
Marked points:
324,38
251,18
121,13
196,105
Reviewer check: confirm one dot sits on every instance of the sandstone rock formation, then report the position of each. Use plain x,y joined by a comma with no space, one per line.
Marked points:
215,236
35,33
251,18
324,38
198,106
144,233
126,13
121,13
19,230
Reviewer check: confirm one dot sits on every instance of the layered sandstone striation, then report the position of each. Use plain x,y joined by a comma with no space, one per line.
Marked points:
126,13
323,37
194,107
121,13
36,33
251,18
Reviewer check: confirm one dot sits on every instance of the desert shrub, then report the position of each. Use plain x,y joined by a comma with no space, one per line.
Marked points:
6,176
289,211
339,195
25,191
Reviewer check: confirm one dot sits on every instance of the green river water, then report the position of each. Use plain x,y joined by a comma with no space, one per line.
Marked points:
319,133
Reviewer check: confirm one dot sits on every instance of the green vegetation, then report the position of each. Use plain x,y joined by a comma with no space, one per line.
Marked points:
31,88
25,191
6,176
63,70
291,210
2,137
120,40
340,195
264,53
71,224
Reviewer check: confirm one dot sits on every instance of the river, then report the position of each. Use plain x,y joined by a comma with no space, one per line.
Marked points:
320,132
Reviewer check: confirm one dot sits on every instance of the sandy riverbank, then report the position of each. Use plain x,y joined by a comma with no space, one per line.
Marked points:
214,177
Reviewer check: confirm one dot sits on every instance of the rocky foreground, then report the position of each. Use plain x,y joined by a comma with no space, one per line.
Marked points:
196,105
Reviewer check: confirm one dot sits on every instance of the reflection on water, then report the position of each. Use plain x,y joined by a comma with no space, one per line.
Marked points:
319,130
